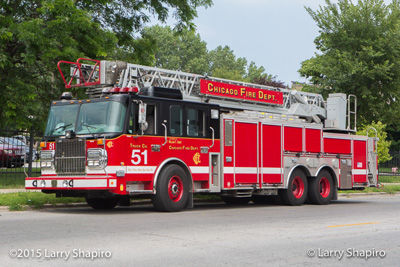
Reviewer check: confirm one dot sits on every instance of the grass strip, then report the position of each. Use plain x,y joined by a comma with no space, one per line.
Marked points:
389,189
389,179
35,200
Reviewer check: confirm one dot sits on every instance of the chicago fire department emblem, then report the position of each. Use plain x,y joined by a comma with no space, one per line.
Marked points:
110,144
196,158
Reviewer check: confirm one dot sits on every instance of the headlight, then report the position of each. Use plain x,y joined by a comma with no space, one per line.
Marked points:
8,151
46,164
47,159
96,158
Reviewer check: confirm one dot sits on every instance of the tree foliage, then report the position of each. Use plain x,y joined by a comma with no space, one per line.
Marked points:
383,144
359,48
183,50
35,35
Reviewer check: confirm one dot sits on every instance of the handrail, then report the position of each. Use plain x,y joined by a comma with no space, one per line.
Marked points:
165,126
212,129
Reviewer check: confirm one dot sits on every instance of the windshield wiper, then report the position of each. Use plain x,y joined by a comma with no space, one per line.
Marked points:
62,127
89,126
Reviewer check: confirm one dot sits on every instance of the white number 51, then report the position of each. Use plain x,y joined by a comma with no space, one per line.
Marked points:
137,158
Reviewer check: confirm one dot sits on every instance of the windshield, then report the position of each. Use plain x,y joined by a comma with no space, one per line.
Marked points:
86,118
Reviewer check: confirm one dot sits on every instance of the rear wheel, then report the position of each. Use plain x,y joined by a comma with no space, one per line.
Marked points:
321,188
296,194
172,189
102,203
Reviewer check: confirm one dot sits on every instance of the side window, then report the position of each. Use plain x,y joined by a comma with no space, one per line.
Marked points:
151,118
195,122
133,120
176,120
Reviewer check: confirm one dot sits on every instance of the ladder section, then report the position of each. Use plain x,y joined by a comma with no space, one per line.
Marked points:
122,74
352,113
308,105
372,158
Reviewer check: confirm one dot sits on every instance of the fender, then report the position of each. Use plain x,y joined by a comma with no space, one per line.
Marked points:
303,168
325,166
165,162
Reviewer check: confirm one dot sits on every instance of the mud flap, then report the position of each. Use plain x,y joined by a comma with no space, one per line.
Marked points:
335,193
190,203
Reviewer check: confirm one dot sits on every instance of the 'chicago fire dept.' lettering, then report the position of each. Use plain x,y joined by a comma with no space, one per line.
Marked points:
241,92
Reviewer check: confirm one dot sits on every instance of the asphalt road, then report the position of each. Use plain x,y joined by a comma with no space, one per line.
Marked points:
356,231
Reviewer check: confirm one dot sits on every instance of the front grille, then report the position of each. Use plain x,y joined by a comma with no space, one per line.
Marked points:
70,157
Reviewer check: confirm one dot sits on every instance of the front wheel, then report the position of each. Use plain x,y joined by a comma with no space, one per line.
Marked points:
296,193
102,203
172,189
321,188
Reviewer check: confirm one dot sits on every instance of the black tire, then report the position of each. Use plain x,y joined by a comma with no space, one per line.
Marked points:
236,200
321,188
172,189
296,194
102,203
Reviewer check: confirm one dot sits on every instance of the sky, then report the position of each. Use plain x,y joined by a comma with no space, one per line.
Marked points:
275,34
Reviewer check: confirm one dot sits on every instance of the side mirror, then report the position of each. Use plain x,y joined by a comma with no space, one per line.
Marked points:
142,117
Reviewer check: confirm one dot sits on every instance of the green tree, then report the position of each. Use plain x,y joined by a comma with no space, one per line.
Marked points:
224,64
383,144
183,50
269,80
35,35
254,72
359,48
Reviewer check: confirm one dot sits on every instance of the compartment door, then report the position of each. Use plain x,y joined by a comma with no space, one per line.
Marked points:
360,168
271,154
246,152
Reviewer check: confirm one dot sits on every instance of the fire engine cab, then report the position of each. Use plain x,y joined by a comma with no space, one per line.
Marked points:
166,135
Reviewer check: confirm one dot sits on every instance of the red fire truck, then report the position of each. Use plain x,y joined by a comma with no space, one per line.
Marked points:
166,135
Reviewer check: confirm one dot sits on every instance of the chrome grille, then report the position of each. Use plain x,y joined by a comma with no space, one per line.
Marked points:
70,157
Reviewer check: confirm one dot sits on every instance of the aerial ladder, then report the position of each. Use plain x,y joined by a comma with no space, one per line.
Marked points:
98,75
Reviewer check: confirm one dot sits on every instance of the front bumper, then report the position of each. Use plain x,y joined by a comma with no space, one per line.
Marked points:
72,183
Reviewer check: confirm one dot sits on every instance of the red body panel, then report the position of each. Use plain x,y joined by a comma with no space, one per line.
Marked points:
293,139
271,151
360,174
313,140
337,146
246,156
